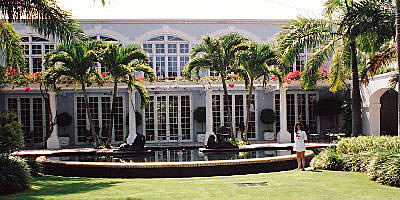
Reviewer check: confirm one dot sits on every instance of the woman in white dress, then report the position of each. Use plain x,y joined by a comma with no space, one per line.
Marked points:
300,137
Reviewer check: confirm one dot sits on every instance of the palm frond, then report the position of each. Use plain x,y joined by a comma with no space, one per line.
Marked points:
11,43
194,65
144,96
147,70
377,62
43,15
311,74
340,67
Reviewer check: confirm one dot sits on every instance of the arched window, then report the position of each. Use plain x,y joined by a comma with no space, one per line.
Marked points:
35,48
168,55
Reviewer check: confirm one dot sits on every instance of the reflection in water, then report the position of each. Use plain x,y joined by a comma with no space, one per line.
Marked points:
175,156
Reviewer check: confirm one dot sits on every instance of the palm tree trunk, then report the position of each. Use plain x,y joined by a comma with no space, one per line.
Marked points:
110,127
356,97
398,60
229,108
91,125
248,103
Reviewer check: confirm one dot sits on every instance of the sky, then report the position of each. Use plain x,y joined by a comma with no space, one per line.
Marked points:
192,9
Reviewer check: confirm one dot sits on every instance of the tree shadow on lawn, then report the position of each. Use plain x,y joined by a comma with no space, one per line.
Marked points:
54,186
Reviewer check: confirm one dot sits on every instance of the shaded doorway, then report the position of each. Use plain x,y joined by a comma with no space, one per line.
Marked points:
389,113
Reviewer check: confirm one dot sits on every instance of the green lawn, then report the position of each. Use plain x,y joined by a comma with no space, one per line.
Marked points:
281,185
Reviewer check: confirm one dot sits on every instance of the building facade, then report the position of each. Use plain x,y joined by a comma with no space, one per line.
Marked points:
168,117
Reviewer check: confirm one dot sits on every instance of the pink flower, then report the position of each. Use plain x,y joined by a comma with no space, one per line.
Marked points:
104,74
27,89
140,77
231,85
274,78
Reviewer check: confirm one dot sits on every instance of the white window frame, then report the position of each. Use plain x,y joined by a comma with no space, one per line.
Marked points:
30,43
155,111
100,116
178,53
222,120
296,106
30,97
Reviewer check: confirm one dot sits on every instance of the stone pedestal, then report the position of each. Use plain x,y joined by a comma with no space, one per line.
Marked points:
132,118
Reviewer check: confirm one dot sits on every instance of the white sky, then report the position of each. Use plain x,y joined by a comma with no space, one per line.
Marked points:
192,9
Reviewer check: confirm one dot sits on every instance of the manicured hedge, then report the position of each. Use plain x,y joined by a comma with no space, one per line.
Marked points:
378,156
14,175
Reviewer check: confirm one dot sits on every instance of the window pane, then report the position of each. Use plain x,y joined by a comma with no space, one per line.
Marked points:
26,49
148,48
150,120
159,38
37,65
36,49
184,48
160,48
172,48
160,66
48,48
183,61
172,66
173,38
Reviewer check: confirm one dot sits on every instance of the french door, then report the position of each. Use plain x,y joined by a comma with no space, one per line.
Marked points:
31,112
100,110
237,103
168,118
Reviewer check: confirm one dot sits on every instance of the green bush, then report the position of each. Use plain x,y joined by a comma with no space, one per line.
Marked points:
356,145
327,159
14,175
385,168
36,168
357,162
11,134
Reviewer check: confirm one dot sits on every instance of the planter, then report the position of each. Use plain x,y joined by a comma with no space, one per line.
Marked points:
269,135
200,138
64,141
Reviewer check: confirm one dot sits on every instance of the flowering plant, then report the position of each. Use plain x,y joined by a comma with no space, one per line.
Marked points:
323,74
296,75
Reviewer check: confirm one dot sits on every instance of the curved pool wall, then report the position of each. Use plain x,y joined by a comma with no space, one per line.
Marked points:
171,170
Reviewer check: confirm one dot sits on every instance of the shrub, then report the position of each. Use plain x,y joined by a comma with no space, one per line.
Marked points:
36,168
327,159
11,134
199,114
385,168
267,116
356,145
14,175
357,162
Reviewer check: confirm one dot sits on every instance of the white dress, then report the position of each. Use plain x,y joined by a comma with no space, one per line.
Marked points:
299,138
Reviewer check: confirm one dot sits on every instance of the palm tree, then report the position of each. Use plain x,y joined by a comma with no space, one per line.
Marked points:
254,63
219,55
77,61
350,28
122,62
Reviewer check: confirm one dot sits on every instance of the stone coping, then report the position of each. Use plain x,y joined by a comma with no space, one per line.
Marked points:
186,164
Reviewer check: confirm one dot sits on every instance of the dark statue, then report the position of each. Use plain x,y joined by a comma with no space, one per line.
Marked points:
138,144
222,140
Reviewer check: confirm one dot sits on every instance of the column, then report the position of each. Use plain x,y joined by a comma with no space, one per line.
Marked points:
284,135
375,119
132,118
53,142
209,120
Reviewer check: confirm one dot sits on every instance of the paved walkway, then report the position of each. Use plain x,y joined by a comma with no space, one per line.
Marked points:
44,152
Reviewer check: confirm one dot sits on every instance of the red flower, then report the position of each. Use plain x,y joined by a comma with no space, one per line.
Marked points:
231,85
27,89
104,74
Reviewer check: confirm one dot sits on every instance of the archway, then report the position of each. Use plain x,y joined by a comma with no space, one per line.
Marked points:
388,113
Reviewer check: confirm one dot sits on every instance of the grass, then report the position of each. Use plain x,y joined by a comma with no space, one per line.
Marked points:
280,185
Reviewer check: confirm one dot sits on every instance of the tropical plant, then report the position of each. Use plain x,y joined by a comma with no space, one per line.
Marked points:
122,62
11,134
78,61
350,28
219,55
255,62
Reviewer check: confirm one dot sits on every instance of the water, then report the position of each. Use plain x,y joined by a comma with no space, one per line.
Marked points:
174,156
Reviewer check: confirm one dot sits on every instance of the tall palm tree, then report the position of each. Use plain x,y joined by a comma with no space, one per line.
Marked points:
254,63
350,28
77,61
219,55
43,15
122,62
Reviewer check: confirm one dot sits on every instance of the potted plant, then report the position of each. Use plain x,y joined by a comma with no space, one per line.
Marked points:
199,115
267,116
64,119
